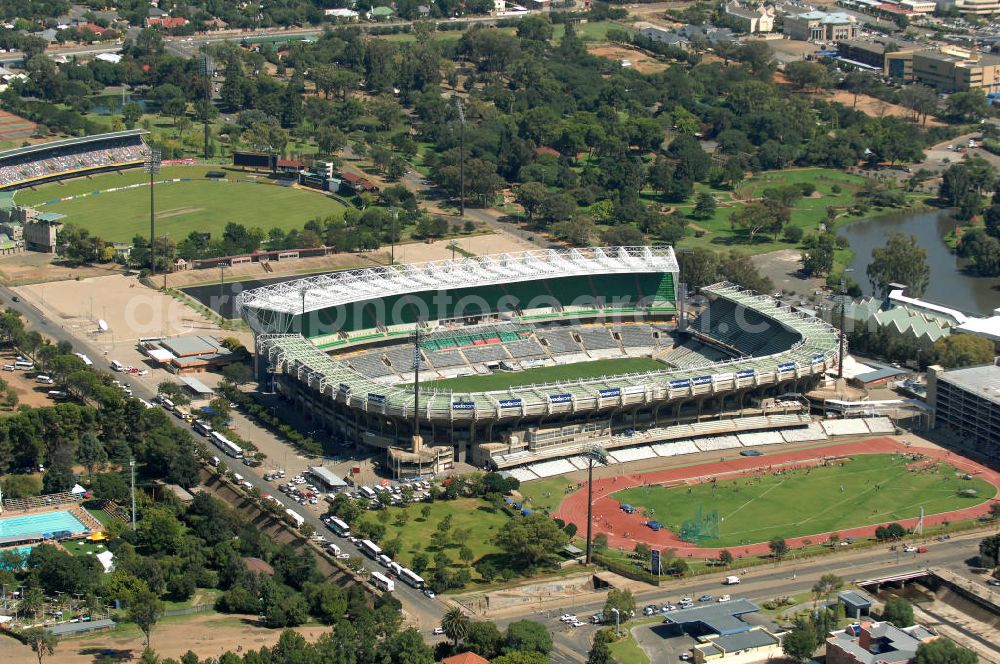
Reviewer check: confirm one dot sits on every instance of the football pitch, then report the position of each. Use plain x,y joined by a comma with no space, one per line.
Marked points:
502,380
869,489
181,207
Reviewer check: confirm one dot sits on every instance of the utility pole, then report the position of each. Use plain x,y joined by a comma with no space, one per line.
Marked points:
165,269
206,70
461,157
131,465
392,240
416,380
153,162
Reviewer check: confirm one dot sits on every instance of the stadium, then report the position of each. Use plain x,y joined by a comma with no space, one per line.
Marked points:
56,160
533,358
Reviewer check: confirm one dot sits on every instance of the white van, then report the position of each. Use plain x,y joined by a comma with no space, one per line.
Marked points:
9,367
334,549
23,364
384,560
42,378
117,366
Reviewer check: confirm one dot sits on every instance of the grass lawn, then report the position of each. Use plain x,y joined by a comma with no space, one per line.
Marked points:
626,650
85,547
504,379
867,490
181,207
467,514
591,31
546,494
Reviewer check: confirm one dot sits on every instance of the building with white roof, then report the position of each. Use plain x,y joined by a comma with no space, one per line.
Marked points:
817,26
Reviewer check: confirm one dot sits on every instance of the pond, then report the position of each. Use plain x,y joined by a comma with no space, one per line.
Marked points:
949,285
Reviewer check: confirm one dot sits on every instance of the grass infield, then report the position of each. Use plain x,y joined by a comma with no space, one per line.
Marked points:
565,372
869,489
181,207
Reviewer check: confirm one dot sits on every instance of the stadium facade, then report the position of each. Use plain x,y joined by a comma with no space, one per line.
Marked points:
71,157
343,347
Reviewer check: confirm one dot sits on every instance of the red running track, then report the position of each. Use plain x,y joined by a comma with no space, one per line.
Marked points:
626,530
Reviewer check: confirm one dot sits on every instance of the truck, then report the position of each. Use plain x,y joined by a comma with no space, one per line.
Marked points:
731,581
334,549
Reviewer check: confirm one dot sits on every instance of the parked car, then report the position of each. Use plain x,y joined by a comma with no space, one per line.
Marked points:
438,631
705,598
430,593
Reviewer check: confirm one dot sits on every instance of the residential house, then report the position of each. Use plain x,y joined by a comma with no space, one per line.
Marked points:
751,19
166,22
342,14
876,642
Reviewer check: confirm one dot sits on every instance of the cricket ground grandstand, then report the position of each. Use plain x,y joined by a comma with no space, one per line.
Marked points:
511,359
45,162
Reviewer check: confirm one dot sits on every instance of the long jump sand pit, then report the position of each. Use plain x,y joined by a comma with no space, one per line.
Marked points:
131,310
626,530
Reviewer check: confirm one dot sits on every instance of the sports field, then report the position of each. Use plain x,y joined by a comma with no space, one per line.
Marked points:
565,372
866,490
181,207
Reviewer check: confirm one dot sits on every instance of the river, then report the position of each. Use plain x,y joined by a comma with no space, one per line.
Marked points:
948,284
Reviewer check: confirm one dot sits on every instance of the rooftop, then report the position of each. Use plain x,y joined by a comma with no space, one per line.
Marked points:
887,643
983,381
723,618
328,476
192,345
196,385
465,658
754,638
66,142
855,598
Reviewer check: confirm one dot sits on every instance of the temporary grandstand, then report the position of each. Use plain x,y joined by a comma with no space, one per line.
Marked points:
337,347
56,160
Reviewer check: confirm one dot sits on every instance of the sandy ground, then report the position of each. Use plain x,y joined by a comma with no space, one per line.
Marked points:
641,62
475,244
32,267
29,391
130,309
327,263
782,268
208,635
875,107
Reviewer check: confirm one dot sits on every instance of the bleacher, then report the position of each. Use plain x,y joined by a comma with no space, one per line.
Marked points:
371,364
756,438
633,454
521,474
551,468
636,336
856,427
812,432
47,161
442,359
713,443
523,349
675,448
401,358
743,328
691,354
597,338
486,353
880,425
559,342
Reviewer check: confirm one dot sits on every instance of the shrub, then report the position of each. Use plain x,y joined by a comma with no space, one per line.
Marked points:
793,234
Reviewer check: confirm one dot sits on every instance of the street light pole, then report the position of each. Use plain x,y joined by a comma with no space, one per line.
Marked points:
595,453
153,162
206,70
618,616
461,157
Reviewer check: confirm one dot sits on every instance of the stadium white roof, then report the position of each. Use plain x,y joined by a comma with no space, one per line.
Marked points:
82,140
337,288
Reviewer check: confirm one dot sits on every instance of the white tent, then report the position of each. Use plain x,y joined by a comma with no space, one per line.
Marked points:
77,490
106,558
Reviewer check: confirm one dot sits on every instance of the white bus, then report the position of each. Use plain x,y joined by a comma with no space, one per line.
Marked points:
202,427
226,445
382,582
367,492
86,360
339,527
411,577
296,517
370,548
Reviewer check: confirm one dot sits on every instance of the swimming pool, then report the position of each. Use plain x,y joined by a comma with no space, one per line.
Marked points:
41,524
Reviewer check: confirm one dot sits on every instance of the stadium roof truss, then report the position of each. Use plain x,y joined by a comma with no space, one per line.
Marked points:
812,354
301,296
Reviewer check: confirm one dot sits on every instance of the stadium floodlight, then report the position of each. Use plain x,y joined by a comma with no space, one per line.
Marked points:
461,156
152,166
843,309
593,453
207,67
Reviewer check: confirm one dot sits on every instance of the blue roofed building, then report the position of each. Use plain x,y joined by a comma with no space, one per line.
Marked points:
723,635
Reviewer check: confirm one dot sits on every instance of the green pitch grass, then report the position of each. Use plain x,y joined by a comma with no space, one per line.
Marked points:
181,207
568,372
868,490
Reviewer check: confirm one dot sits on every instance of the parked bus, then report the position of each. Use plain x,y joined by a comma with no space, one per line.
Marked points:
86,360
296,517
226,445
382,582
370,548
367,492
411,577
339,527
202,427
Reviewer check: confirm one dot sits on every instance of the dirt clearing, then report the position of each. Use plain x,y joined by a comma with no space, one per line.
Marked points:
640,61
875,107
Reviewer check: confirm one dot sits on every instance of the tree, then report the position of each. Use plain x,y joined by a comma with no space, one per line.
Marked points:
901,260
778,547
527,636
90,453
42,641
531,539
621,600
827,584
800,643
600,652
818,260
237,373
455,624
989,551
858,82
970,106
898,611
131,113
699,267
807,75
408,647
726,558
144,609
962,350
704,207
522,657
484,639
943,650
